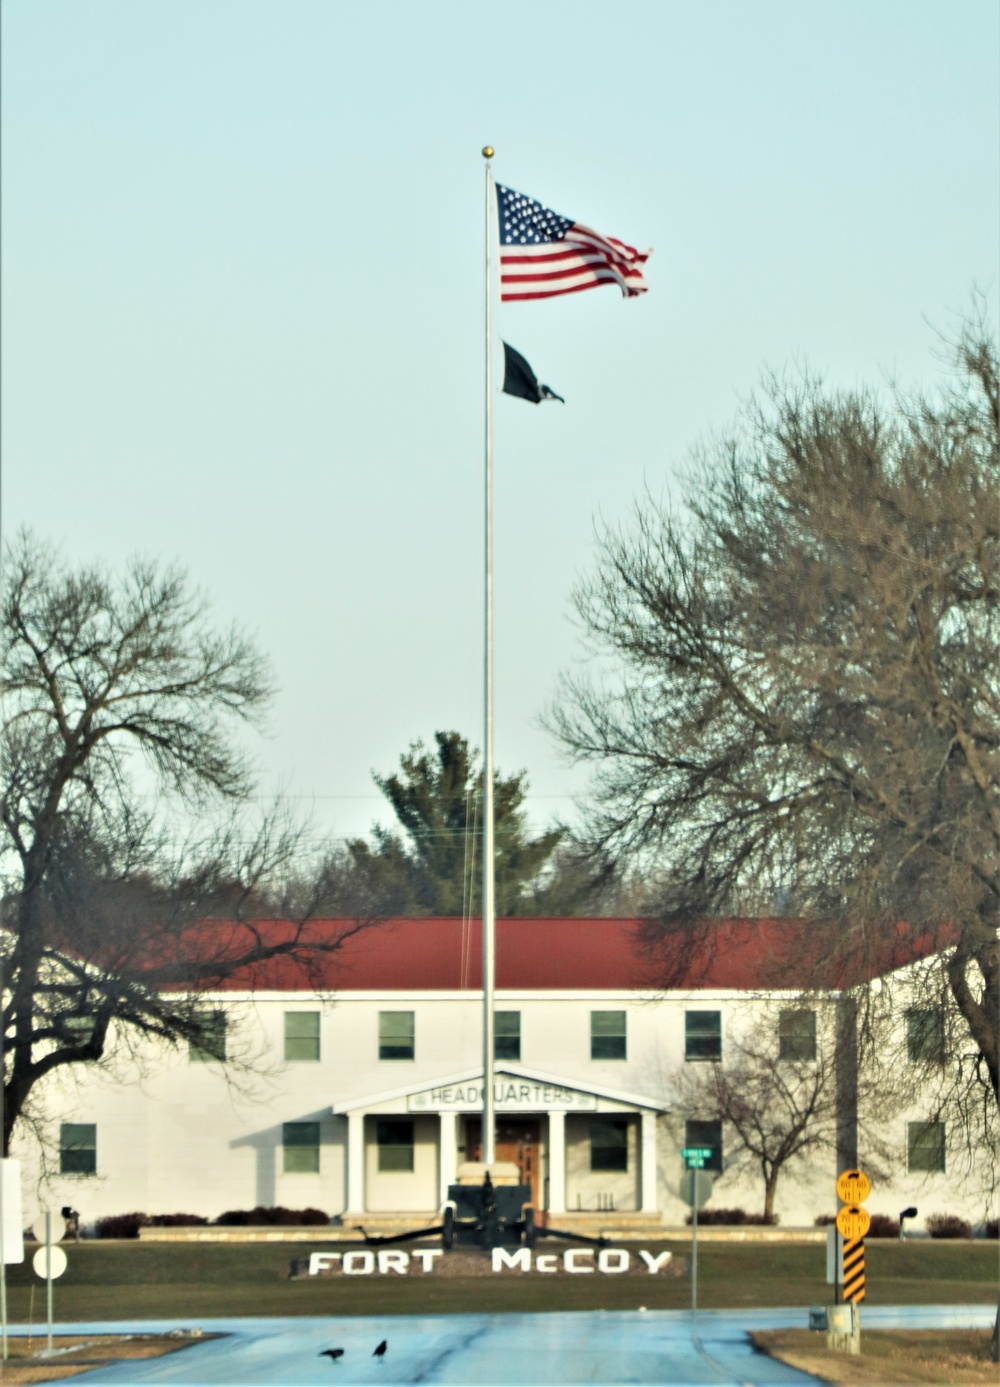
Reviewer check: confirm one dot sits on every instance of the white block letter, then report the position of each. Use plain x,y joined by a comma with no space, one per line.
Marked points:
569,1259
398,1262
320,1261
359,1263
655,1263
604,1260
426,1256
521,1259
548,1261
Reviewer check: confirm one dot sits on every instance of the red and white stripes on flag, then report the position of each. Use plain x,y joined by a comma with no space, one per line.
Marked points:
543,254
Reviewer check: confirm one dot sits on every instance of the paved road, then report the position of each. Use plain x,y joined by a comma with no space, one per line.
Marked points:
603,1347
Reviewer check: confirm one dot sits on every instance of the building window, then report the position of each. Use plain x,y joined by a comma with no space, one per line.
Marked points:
80,1029
301,1035
609,1143
507,1035
395,1144
925,1035
211,1042
607,1035
78,1148
395,1035
703,1035
300,1148
925,1147
797,1035
709,1136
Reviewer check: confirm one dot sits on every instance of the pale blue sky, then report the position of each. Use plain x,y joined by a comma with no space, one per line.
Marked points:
242,305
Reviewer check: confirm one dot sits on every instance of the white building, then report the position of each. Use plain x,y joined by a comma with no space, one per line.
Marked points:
361,1099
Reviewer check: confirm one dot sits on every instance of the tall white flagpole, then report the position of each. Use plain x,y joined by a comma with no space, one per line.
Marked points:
489,1119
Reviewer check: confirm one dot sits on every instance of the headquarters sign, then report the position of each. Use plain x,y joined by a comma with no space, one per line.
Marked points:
509,1095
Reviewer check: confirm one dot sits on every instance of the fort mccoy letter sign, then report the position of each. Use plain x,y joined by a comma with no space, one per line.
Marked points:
421,1261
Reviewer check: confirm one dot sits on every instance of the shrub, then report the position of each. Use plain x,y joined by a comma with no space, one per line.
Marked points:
948,1226
824,1220
305,1217
261,1217
883,1227
120,1225
991,1228
177,1221
733,1217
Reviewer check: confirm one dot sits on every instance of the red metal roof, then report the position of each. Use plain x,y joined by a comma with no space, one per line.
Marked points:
587,955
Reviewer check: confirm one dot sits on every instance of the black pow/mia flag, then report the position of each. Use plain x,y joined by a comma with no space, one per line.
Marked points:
520,380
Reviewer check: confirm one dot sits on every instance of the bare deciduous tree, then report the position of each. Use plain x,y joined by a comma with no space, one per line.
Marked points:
777,1094
802,704
121,706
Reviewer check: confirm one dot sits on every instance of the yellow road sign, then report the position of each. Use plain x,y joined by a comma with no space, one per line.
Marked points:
853,1222
853,1186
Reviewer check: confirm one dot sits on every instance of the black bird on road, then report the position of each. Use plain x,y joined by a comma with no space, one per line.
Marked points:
380,1351
332,1353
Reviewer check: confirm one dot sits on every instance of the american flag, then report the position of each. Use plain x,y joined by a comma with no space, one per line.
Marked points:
543,254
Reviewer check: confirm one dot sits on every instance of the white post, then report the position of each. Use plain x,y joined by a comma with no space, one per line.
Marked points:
448,1152
356,1162
557,1162
48,1277
489,1119
648,1175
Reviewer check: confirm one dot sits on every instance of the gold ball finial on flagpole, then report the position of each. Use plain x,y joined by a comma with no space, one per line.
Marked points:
487,151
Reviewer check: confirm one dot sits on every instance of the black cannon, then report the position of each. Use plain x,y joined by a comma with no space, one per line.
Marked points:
486,1215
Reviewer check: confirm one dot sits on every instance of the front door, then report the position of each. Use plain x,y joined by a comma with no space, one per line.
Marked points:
517,1141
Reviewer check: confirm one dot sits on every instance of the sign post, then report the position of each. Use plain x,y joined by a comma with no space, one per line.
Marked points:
49,1261
697,1189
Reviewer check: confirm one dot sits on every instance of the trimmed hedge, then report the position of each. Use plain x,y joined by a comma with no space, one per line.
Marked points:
120,1225
733,1217
128,1225
948,1226
277,1216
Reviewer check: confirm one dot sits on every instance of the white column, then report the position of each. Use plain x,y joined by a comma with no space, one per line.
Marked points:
447,1152
557,1162
356,1162
649,1202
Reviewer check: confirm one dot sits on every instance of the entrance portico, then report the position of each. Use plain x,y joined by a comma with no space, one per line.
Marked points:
579,1146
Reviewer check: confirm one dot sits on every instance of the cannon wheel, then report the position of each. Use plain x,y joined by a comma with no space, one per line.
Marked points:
530,1234
448,1229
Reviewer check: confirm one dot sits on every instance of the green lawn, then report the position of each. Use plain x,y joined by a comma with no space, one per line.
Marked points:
108,1281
